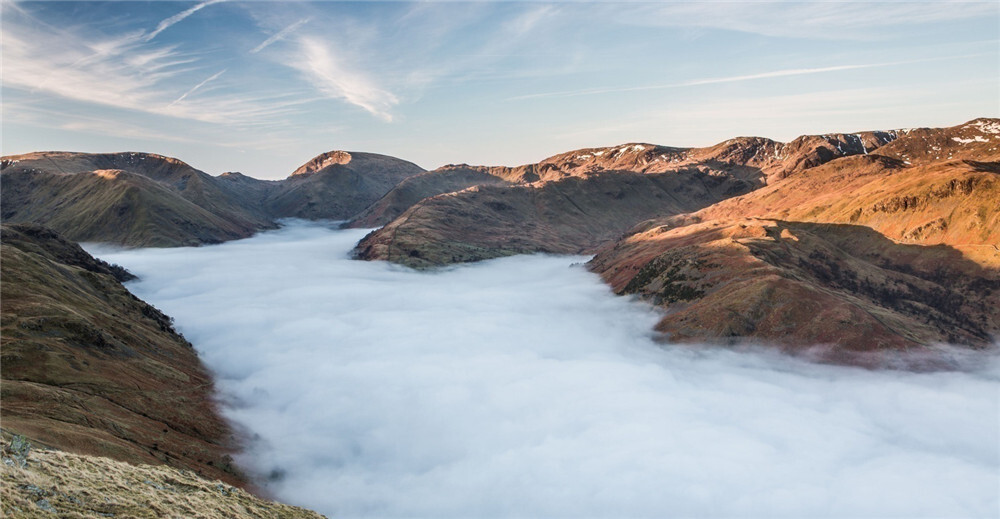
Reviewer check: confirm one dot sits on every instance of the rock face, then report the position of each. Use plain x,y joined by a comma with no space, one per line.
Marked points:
861,253
89,368
47,483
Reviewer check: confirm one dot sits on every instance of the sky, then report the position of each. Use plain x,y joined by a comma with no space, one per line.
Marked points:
262,87
523,387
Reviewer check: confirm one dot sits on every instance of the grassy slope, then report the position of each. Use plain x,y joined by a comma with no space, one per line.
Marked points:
46,483
888,252
133,199
87,367
571,215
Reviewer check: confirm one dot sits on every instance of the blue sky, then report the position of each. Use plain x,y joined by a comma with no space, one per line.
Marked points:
261,87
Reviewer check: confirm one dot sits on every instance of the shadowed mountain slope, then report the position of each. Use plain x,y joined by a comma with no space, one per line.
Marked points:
89,368
413,189
135,199
572,215
141,199
337,185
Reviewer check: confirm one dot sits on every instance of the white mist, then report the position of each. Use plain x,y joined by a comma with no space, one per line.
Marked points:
523,387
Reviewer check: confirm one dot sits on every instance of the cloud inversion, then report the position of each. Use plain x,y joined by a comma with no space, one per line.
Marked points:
523,387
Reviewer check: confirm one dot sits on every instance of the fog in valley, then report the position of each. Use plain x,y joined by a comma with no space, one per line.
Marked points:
524,387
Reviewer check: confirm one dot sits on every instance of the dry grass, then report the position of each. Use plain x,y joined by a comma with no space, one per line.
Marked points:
45,483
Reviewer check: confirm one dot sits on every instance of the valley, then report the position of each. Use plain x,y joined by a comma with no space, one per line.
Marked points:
876,250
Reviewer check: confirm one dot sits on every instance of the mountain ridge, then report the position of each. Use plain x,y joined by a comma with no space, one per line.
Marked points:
925,187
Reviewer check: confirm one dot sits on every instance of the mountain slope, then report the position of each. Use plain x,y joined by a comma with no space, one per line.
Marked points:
801,284
89,368
337,185
43,483
411,190
467,228
134,199
141,199
573,215
863,253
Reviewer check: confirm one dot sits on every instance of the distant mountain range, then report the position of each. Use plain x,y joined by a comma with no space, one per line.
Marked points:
148,200
919,199
862,242
853,243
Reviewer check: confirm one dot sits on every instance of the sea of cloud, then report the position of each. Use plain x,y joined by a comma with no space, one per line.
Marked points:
523,387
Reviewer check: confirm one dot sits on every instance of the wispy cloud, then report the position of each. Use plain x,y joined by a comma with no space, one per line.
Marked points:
211,78
335,79
168,22
131,77
529,20
695,82
810,20
280,35
731,79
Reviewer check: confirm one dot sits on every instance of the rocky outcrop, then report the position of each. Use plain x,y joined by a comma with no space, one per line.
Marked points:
89,368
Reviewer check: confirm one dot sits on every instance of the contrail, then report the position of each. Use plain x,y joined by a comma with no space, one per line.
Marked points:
196,87
165,24
280,35
732,79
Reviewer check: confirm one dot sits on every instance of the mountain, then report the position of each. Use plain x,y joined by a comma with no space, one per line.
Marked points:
754,159
572,215
135,199
337,185
570,203
867,241
797,285
147,200
908,215
891,250
413,189
89,368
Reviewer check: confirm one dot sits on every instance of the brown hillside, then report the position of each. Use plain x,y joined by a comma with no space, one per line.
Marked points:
435,228
133,199
89,368
865,252
572,215
802,284
337,185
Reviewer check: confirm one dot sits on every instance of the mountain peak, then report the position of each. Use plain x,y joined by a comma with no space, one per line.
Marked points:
324,160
